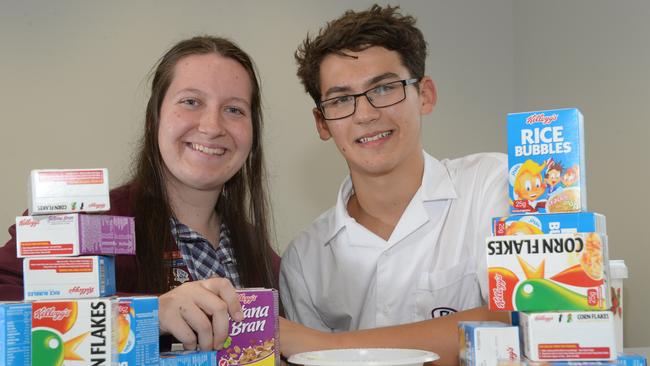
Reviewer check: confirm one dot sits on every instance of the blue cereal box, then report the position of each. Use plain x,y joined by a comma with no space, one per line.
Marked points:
546,161
15,334
188,358
138,331
559,223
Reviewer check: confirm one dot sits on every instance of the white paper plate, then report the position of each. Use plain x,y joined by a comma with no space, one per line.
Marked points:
364,357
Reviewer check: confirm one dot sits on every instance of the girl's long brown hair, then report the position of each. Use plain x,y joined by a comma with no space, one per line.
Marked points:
243,204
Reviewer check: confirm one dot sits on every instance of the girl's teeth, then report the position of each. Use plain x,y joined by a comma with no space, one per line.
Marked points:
207,150
364,140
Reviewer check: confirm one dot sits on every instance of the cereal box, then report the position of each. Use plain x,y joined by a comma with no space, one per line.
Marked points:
68,190
138,331
546,161
548,272
534,224
254,341
74,332
564,336
74,234
483,343
68,277
189,358
15,334
623,359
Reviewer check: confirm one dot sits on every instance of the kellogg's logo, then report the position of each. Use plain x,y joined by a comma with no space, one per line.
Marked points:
82,290
96,205
28,222
543,318
247,299
51,313
541,118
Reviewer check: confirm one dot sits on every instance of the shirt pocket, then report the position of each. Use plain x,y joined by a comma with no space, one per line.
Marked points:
442,292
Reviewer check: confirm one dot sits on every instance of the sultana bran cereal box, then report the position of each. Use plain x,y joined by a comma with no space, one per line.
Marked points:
546,161
254,341
74,332
548,272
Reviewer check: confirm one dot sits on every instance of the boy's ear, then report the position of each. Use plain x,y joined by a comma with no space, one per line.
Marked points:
321,125
428,95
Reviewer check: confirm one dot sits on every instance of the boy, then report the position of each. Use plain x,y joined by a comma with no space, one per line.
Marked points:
405,240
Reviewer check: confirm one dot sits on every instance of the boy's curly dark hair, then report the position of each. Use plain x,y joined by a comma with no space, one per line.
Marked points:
356,31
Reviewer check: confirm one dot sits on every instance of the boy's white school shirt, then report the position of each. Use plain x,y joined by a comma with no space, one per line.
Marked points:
336,275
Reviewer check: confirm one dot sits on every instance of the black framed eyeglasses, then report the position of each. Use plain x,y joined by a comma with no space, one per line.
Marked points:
381,96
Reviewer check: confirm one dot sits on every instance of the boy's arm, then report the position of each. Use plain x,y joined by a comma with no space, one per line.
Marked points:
295,294
439,335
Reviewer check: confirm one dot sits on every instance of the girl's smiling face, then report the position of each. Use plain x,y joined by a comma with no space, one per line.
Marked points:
205,132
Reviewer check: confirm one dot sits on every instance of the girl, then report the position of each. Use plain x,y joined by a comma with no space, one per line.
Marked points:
197,194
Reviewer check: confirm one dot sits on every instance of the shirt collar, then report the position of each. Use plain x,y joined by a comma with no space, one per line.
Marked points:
436,185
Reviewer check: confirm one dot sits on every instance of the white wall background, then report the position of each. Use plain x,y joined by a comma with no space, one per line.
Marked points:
73,88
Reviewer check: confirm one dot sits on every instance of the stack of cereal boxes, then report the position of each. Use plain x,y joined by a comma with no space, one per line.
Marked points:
69,277
549,259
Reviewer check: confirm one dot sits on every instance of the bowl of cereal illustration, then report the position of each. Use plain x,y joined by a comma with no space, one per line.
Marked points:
364,357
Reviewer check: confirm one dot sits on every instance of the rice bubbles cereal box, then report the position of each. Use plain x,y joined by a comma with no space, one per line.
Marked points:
254,341
546,161
74,332
548,272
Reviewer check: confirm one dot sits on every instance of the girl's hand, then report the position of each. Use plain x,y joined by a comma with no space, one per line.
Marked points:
197,312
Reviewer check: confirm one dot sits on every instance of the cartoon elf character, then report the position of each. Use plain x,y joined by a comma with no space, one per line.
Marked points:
553,175
529,186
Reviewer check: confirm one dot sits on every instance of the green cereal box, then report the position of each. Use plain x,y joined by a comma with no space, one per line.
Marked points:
548,272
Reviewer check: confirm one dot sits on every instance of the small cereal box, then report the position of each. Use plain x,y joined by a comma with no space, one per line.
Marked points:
254,341
189,358
74,234
564,336
548,272
546,161
15,334
68,277
68,190
534,224
138,331
484,343
74,332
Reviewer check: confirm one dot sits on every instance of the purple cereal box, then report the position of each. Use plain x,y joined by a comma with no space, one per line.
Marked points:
254,341
74,234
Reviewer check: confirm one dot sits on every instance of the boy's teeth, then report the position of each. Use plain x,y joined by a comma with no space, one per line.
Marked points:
364,140
207,150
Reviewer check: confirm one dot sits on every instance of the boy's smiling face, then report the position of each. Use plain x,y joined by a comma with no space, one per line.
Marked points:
374,141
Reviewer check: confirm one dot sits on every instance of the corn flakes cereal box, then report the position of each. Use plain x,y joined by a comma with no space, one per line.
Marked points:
138,331
535,224
546,161
68,190
565,336
74,234
548,272
254,341
74,332
482,343
68,277
188,358
15,334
